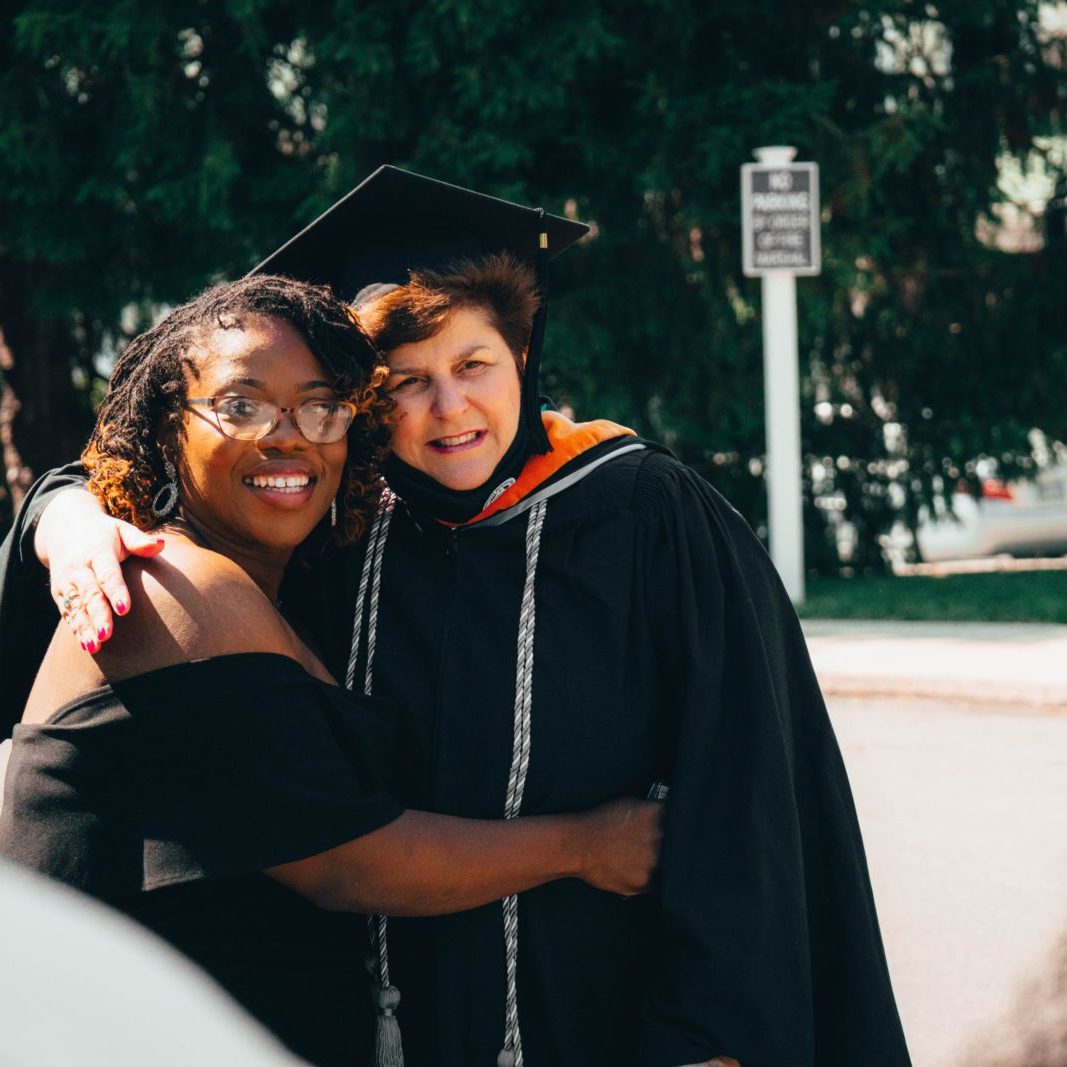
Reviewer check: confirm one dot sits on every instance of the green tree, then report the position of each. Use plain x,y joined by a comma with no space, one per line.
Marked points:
144,152
130,141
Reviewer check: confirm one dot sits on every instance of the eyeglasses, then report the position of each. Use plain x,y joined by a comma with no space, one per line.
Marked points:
243,418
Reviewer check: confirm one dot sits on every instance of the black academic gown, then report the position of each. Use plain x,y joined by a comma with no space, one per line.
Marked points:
665,650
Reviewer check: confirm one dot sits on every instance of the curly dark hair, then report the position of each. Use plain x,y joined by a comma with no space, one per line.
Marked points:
146,396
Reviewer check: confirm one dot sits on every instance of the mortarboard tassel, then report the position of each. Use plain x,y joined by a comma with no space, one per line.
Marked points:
531,410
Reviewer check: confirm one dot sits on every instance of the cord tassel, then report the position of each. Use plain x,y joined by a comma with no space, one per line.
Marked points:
388,1050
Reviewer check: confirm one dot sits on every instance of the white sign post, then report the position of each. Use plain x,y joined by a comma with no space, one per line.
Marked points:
780,239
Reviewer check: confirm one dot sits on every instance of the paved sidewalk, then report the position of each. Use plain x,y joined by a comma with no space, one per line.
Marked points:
1021,664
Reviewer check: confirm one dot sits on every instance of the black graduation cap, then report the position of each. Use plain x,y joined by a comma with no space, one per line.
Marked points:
396,221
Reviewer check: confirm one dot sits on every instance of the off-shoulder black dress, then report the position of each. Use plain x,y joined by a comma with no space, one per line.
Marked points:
169,793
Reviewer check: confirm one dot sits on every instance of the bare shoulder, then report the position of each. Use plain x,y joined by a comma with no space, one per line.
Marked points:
186,603
190,603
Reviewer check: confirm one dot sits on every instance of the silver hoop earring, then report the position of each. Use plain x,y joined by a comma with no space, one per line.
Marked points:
333,512
164,501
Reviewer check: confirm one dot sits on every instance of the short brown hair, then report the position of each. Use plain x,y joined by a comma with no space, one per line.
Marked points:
499,284
146,395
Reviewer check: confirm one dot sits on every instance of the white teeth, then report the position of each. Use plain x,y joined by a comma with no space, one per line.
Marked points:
459,439
282,483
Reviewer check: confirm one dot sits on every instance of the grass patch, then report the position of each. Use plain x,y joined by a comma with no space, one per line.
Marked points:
1020,596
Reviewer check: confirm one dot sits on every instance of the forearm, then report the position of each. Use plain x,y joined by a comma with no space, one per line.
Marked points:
426,864
64,511
43,492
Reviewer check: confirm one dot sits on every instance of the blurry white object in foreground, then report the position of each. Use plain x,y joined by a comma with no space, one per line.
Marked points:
1018,518
80,984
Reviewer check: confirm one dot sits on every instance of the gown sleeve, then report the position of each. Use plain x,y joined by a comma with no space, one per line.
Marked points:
27,614
770,947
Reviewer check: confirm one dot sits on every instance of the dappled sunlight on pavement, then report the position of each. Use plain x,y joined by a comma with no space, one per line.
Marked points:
1018,664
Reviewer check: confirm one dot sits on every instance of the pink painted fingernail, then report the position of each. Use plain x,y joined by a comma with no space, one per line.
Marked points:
84,647
121,608
101,635
90,647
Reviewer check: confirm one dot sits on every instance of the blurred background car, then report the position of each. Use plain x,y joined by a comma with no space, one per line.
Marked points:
1018,518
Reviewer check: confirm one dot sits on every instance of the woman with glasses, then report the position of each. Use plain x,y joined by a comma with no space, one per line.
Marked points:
204,773
568,613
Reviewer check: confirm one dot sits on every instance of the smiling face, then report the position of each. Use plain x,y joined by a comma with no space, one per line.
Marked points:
458,397
265,494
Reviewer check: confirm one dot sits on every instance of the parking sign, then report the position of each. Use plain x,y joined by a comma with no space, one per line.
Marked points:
780,218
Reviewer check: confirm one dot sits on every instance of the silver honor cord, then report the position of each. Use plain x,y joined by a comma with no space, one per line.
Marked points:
511,1054
388,1049
371,578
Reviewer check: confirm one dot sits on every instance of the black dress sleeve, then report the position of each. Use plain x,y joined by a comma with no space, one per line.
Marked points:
251,763
770,947
211,769
27,614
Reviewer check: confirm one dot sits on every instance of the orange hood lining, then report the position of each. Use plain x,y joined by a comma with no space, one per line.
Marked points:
569,440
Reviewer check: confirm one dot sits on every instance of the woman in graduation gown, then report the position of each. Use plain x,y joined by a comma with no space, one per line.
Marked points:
204,773
570,613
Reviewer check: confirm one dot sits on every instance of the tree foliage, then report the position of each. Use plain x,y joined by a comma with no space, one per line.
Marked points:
146,149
